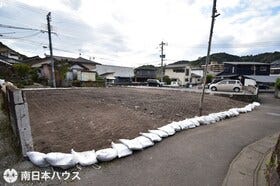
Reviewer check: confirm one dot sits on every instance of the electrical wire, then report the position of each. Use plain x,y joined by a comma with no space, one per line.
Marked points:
26,36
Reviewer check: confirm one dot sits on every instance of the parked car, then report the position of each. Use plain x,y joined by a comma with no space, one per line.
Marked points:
263,86
227,85
174,84
154,83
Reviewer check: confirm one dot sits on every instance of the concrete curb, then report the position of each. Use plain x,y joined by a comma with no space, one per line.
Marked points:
245,167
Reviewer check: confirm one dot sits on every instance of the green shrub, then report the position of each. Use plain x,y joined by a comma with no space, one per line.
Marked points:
167,80
209,78
277,84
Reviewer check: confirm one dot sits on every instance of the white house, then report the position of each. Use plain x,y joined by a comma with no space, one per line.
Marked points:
179,72
115,74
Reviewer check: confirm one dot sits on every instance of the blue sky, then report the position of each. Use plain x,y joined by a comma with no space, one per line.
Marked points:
128,32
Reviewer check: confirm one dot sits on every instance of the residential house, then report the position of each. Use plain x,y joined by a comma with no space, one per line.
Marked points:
179,72
115,74
8,58
78,68
11,55
245,68
275,67
143,73
238,70
214,67
196,76
266,80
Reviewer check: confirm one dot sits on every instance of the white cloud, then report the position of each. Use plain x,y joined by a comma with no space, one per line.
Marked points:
128,32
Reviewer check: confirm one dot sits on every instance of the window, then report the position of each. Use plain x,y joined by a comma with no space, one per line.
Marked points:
179,70
187,80
232,70
231,82
198,80
222,82
263,68
187,72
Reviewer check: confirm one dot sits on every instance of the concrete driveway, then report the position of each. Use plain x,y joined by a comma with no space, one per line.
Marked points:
199,156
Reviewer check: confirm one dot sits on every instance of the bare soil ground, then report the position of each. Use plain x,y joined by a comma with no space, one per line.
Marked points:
86,119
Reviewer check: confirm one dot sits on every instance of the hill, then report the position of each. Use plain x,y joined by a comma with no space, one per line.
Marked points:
267,57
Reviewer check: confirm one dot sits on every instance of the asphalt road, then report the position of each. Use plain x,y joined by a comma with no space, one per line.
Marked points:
198,156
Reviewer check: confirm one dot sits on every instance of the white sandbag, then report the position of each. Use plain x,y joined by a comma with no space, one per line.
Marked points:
214,117
122,150
132,144
210,119
191,125
195,122
175,126
62,160
241,110
152,136
257,104
145,142
202,120
85,158
160,133
221,115
106,154
234,111
248,108
38,158
169,130
184,124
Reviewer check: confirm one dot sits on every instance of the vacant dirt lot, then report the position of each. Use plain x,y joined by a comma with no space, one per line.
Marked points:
86,119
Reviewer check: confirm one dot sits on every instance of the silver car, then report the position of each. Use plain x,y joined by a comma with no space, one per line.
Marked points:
227,85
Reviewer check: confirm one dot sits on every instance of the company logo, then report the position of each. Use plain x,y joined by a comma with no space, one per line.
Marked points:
10,175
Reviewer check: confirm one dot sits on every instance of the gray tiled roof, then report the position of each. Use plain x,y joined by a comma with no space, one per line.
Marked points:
246,63
117,70
264,79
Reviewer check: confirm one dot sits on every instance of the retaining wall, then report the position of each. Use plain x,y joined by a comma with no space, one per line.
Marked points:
17,108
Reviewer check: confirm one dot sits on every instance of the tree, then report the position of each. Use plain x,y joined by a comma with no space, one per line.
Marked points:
167,80
277,84
209,78
22,71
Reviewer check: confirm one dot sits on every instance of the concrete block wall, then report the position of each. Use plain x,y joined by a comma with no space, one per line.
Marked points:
19,117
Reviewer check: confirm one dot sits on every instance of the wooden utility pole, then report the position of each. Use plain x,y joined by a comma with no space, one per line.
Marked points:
161,57
214,15
50,47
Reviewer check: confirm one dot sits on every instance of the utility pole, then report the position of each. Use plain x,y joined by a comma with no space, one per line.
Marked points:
214,15
161,57
50,47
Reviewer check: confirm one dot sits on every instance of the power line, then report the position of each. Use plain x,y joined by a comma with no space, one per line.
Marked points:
24,28
26,36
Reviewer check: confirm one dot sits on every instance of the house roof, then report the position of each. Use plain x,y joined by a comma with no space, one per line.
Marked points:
5,62
74,60
4,48
197,72
246,63
146,67
264,79
176,66
9,60
193,74
275,64
117,70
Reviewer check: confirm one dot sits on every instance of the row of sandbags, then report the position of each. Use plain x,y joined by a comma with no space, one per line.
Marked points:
127,146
